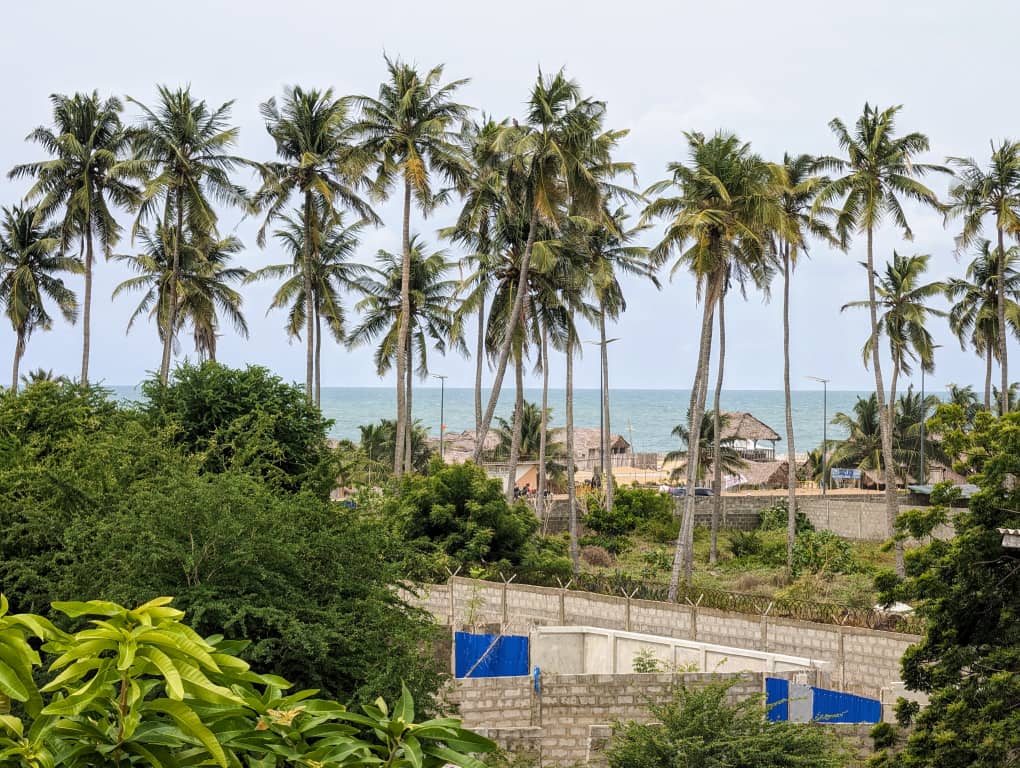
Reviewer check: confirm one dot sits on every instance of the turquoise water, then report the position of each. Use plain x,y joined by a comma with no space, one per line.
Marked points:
644,416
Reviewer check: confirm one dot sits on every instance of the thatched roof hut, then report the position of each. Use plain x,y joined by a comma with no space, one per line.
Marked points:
745,426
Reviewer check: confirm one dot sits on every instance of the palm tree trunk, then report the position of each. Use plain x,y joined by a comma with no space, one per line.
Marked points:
409,430
884,410
479,362
516,313
543,424
1000,310
607,456
86,312
515,439
684,543
19,350
713,552
175,277
403,332
571,490
791,451
988,377
318,357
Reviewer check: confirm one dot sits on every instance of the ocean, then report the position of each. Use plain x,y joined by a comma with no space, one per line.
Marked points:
645,417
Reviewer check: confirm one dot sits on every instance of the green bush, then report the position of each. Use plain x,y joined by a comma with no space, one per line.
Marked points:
632,508
823,552
613,544
745,544
776,518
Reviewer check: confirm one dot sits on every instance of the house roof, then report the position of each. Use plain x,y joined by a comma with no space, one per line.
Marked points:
586,441
966,489
745,426
763,473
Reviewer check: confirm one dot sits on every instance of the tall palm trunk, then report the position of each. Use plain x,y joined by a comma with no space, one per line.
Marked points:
318,357
988,377
884,410
403,332
607,457
516,315
543,423
479,362
409,431
86,312
791,452
515,439
19,351
571,490
684,555
713,551
175,277
1000,310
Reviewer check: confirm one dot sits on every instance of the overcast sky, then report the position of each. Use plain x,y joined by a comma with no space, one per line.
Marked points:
774,73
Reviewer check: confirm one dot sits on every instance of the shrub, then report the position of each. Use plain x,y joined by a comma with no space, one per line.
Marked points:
745,544
613,544
776,517
597,556
823,552
660,529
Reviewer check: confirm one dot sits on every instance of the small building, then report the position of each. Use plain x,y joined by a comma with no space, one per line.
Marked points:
752,438
1010,538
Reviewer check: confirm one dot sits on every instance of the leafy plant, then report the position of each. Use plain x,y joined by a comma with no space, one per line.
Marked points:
823,552
140,687
644,662
775,516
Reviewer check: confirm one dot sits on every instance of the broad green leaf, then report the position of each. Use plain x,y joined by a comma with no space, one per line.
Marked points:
11,683
13,725
126,654
166,668
455,758
74,671
413,751
183,645
404,708
189,723
91,608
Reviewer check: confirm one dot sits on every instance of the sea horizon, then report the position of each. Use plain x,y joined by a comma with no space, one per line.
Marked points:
644,417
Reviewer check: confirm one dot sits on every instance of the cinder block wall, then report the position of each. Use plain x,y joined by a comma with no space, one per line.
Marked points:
861,661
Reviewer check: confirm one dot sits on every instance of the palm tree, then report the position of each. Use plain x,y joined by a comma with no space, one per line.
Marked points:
1010,401
318,164
730,460
29,261
330,275
183,147
862,448
878,169
408,132
796,186
557,165
42,374
912,410
966,398
611,252
85,178
432,317
974,315
993,192
718,218
202,292
902,300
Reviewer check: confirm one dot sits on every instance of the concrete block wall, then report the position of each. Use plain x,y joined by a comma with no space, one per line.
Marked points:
861,660
495,702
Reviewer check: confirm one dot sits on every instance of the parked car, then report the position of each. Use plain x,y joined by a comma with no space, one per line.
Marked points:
681,491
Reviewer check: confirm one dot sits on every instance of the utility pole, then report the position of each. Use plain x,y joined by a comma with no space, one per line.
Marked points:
442,420
825,430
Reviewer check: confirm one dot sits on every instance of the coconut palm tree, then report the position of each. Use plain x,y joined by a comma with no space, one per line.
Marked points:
316,163
1010,401
331,274
86,178
203,289
878,169
903,303
995,192
912,410
974,315
862,448
966,398
718,215
408,132
559,161
183,147
730,460
377,441
433,313
796,186
30,259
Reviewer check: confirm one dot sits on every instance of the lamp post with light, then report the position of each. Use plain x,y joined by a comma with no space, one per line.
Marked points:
825,431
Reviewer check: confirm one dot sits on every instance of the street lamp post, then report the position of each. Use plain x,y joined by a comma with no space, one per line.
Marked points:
825,430
442,419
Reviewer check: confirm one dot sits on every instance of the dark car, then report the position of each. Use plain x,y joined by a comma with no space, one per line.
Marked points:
681,491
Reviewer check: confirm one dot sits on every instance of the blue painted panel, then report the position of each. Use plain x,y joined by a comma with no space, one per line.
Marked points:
777,694
506,657
835,707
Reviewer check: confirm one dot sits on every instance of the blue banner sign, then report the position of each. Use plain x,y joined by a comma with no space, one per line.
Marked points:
838,473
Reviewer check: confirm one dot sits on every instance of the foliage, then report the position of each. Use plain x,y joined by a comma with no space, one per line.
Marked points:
632,507
730,458
245,419
823,552
457,510
967,590
597,556
378,442
775,517
140,687
701,727
644,661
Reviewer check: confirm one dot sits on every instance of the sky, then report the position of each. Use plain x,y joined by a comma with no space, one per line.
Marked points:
773,73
